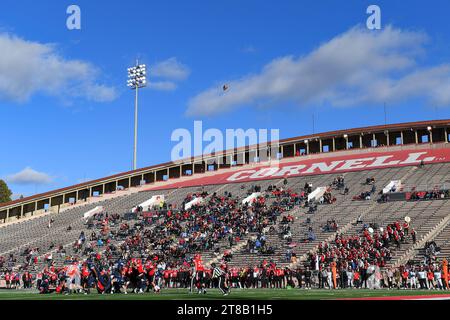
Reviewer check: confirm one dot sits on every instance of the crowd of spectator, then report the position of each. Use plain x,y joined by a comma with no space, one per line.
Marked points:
430,195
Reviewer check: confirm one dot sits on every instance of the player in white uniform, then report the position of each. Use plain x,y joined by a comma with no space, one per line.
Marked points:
74,277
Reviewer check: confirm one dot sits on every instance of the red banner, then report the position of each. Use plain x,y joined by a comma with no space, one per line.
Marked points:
329,165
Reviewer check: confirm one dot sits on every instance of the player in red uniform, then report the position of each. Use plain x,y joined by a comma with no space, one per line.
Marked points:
198,275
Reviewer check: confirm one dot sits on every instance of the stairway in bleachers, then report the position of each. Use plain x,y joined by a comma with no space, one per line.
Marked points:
425,214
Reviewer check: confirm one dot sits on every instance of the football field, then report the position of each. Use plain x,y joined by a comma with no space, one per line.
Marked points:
236,294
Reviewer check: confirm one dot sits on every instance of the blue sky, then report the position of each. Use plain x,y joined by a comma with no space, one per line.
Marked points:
66,114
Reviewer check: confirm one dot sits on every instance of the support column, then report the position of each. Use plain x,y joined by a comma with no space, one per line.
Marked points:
7,215
431,136
295,149
373,139
21,211
346,142
334,144
401,137
320,145
307,148
446,135
387,138
417,137
360,141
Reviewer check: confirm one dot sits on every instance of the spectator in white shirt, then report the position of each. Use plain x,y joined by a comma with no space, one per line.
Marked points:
422,278
412,278
438,278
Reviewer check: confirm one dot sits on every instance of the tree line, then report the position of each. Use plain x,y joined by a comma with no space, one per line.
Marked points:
5,192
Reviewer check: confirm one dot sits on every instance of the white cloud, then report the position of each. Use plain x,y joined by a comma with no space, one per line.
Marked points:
162,85
356,67
28,176
27,68
170,69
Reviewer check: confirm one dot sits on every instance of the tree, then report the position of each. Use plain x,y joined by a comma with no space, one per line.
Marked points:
5,193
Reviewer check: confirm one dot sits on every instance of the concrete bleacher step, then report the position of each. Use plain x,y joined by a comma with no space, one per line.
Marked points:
435,231
428,217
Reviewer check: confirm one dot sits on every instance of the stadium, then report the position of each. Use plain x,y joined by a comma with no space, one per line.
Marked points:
192,155
340,214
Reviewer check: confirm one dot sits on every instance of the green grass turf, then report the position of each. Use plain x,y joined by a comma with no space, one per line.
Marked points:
250,294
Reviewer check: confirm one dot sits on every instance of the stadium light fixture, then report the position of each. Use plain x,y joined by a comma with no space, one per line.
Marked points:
429,128
136,80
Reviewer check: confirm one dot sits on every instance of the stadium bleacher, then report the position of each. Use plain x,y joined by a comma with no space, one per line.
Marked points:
36,233
279,227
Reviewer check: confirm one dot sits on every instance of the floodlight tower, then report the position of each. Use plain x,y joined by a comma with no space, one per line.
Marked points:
136,80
